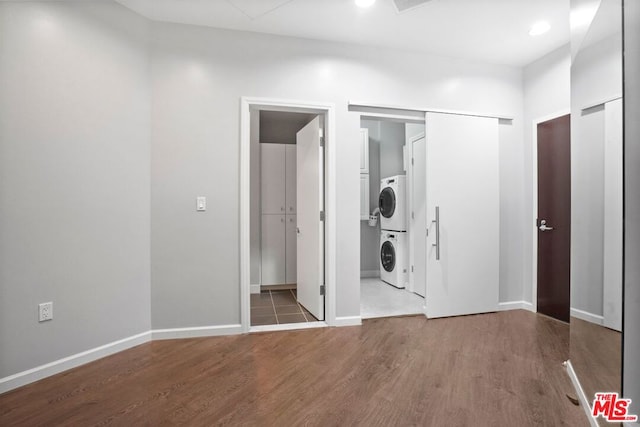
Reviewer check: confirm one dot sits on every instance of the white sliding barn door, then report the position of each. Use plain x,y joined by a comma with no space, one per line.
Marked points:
310,200
463,215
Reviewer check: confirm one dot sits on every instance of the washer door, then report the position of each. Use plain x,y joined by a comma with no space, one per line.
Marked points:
388,256
387,202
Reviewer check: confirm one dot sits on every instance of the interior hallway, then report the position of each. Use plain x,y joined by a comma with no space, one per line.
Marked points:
499,369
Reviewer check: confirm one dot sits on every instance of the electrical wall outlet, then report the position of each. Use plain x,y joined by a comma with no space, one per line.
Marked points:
45,311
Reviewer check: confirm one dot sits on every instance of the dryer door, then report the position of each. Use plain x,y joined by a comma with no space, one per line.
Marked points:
388,256
387,202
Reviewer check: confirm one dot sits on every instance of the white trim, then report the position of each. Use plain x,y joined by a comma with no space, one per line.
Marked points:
603,101
328,109
288,326
534,196
587,317
515,305
348,321
31,375
368,274
195,332
582,397
255,289
355,104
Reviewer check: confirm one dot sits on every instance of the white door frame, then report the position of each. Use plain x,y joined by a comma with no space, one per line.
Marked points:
534,195
273,104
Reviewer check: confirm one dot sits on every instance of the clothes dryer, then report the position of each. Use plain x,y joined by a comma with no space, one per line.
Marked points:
392,202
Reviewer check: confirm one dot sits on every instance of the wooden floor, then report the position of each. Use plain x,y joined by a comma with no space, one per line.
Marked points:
501,369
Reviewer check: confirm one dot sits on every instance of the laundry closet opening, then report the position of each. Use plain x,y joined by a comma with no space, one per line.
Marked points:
386,202
287,200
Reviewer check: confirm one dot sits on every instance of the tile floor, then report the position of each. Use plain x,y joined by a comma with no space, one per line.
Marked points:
379,299
278,307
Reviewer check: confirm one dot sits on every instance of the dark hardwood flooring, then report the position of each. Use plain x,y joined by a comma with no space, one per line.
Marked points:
499,369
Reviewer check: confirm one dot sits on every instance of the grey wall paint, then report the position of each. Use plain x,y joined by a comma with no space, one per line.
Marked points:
546,93
198,77
281,127
631,363
596,75
74,178
392,138
256,216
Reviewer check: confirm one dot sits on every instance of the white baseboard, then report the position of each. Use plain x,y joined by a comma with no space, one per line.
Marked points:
348,321
582,397
515,305
255,289
31,375
586,316
366,274
195,332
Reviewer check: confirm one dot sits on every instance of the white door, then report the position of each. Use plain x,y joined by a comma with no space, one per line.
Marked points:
462,214
613,213
291,251
272,178
273,250
419,216
364,196
310,199
290,182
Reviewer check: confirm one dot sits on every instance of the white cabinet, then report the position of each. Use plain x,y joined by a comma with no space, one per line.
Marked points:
290,262
278,195
290,179
273,249
364,150
272,178
364,196
364,174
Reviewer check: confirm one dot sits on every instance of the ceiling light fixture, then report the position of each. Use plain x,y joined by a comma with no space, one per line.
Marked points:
539,28
365,3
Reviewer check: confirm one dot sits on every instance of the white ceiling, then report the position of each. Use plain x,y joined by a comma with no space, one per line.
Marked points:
494,31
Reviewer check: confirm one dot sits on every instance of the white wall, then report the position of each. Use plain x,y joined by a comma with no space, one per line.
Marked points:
199,75
74,178
546,93
631,361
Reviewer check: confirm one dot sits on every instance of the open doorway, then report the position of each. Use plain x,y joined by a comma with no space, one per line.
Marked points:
386,288
285,238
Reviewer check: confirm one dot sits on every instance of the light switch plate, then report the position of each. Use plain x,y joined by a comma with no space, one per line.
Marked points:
201,204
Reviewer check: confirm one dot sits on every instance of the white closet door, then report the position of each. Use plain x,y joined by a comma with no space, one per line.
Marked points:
364,150
463,186
311,228
419,216
290,178
272,176
364,196
291,250
273,249
613,213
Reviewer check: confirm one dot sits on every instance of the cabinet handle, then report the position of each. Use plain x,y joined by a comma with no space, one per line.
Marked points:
437,243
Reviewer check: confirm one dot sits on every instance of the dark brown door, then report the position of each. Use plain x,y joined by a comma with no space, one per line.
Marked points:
554,217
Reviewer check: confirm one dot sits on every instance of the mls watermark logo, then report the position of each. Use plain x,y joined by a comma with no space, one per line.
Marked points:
612,408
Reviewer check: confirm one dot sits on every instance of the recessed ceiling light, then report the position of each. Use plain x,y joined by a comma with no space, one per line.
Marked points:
365,3
539,28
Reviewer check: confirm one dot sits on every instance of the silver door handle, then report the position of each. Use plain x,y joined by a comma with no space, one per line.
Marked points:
437,243
543,226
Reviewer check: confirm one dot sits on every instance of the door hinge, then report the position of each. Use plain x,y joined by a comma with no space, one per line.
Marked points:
322,141
322,290
321,135
413,215
321,215
412,268
412,161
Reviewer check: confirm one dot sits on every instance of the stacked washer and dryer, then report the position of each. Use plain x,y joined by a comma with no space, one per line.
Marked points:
393,224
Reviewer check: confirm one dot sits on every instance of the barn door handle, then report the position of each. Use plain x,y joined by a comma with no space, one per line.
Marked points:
437,243
543,226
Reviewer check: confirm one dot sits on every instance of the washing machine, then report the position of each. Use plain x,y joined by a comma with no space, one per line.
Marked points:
392,203
393,258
